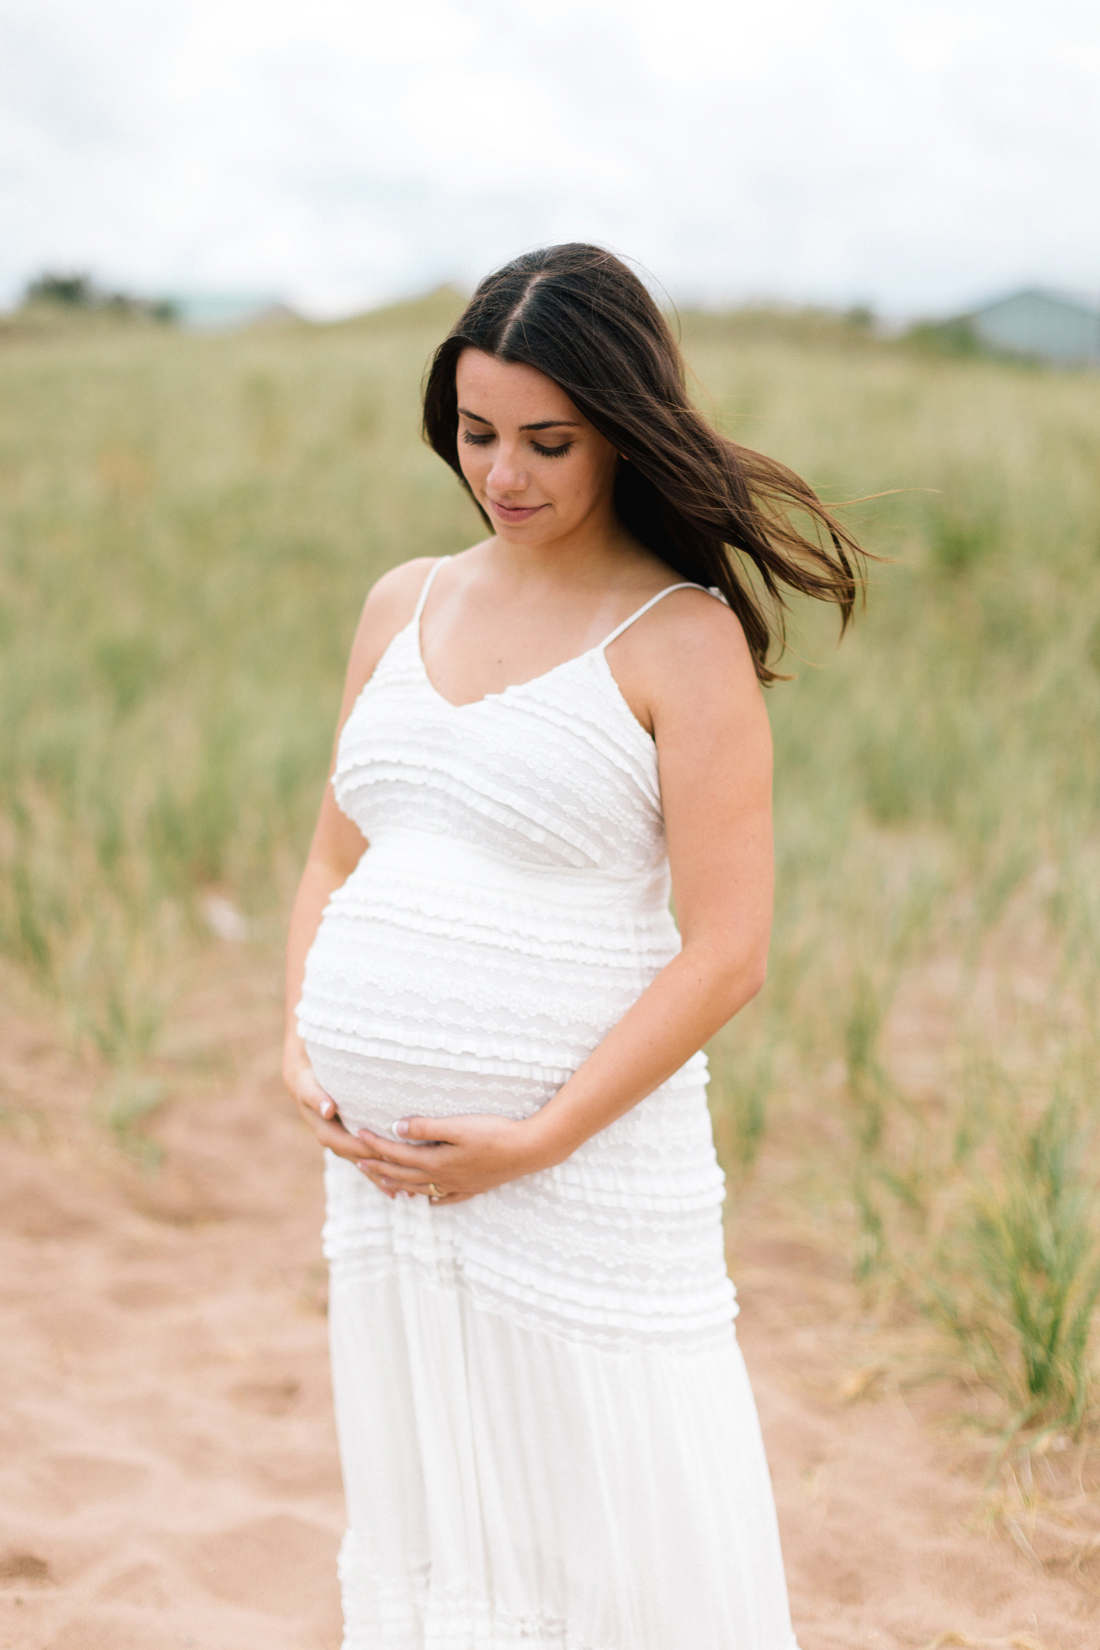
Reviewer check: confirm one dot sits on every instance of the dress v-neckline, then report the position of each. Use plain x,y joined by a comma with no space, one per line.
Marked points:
544,675
511,687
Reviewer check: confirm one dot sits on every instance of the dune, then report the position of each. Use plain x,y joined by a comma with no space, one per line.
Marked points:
168,1471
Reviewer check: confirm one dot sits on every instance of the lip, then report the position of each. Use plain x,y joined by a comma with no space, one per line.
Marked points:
515,514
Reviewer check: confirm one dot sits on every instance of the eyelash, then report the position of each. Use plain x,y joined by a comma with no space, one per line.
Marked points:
543,452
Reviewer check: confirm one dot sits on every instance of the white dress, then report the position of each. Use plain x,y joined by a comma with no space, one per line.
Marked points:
547,1433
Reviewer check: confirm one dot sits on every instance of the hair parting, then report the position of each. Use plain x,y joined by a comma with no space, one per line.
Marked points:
717,513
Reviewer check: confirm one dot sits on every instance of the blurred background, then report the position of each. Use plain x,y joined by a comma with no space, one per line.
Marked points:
342,154
233,234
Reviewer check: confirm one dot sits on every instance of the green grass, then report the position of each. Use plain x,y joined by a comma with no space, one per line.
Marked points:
188,527
1018,1281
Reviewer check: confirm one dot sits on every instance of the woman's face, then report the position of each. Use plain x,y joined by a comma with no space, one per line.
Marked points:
535,464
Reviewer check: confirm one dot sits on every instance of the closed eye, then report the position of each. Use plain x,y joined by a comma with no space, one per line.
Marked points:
473,439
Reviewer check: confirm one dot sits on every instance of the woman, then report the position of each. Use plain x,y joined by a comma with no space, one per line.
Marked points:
547,1433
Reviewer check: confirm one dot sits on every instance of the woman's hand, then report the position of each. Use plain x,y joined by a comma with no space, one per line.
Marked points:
462,1156
317,1107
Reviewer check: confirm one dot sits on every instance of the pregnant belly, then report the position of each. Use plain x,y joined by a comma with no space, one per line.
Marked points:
375,1093
473,988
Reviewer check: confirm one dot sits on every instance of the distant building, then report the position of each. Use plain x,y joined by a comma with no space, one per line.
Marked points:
225,311
1046,325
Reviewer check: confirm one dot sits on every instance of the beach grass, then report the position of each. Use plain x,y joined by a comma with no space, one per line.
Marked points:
189,525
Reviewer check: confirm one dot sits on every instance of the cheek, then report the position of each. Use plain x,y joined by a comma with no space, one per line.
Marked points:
472,461
587,479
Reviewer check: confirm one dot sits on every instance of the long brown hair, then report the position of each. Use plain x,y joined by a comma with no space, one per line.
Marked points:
701,502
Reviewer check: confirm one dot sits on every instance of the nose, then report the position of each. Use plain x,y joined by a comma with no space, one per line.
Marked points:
507,474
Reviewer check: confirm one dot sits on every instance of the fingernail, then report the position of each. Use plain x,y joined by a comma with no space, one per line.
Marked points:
326,1110
401,1129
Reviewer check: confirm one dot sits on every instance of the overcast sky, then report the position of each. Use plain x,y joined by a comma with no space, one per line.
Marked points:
341,152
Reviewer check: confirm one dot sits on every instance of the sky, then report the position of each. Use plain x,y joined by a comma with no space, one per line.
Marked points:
341,153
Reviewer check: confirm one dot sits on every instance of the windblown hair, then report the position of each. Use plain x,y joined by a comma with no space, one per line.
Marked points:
706,506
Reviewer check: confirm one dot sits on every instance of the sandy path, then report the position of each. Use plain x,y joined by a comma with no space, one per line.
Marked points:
168,1474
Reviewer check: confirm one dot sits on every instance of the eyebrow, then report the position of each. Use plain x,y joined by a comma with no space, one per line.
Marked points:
546,424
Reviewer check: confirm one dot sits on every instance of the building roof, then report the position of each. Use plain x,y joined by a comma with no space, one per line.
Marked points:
222,311
1035,321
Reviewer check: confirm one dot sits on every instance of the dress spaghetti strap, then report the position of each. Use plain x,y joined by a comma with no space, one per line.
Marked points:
425,587
645,607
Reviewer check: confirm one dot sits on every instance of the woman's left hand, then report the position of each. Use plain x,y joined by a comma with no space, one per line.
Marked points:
462,1156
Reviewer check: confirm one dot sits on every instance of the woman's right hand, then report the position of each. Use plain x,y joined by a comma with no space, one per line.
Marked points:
317,1107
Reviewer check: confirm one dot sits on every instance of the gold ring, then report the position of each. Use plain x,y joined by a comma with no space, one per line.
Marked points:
434,1193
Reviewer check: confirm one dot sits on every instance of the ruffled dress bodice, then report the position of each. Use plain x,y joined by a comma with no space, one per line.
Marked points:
514,898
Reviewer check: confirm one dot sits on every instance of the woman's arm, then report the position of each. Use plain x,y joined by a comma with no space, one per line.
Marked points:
714,750
336,850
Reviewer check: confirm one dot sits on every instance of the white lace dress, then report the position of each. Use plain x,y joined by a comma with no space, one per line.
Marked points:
547,1433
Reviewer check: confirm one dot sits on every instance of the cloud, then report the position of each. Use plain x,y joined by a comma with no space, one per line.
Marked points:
342,151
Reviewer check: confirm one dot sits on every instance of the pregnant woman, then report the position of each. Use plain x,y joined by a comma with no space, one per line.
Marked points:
495,1029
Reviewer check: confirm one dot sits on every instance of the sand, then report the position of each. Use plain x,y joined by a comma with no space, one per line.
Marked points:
168,1475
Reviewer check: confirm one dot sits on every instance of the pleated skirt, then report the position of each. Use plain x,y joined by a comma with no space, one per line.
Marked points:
547,1433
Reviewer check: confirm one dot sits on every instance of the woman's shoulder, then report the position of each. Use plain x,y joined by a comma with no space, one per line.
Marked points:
389,607
686,658
394,596
399,588
682,620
